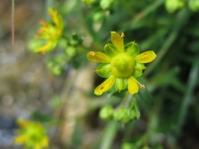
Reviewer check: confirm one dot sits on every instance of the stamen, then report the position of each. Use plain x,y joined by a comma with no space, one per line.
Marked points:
40,31
122,35
43,52
141,85
59,32
43,23
92,53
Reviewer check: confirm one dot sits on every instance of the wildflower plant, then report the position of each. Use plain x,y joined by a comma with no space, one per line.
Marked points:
32,135
50,38
48,35
121,65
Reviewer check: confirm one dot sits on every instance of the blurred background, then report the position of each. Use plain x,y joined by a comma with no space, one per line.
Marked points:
63,100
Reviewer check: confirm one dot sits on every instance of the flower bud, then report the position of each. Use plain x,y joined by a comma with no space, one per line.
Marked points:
106,112
173,5
194,5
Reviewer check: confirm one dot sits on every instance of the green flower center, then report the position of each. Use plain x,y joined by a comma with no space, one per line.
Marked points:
122,65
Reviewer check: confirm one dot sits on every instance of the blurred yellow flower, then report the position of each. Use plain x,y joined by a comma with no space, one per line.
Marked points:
49,33
121,65
32,135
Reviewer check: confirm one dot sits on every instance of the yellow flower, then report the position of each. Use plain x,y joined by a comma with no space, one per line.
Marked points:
49,33
32,135
122,64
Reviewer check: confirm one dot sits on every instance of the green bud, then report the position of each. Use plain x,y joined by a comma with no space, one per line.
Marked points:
124,115
127,145
173,5
55,65
194,5
70,51
105,4
87,2
120,114
132,114
57,70
106,112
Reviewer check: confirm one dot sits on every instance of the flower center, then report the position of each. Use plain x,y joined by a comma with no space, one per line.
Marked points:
122,65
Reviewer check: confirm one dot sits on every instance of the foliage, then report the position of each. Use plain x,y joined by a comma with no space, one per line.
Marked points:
152,118
32,135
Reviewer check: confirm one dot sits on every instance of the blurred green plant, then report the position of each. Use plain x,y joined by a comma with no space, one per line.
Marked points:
48,35
51,38
173,5
170,28
194,5
32,135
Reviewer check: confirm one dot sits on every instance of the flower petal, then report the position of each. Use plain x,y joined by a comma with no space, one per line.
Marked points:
117,41
120,84
104,70
110,50
23,123
132,85
132,49
98,57
56,18
45,142
20,139
105,86
46,47
145,57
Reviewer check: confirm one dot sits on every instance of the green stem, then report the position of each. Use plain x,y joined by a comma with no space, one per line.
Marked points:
128,100
13,26
109,135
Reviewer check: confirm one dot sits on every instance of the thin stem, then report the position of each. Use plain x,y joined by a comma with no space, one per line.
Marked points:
128,100
125,102
109,135
12,23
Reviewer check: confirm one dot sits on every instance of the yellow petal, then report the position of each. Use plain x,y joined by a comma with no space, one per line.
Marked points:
98,57
105,86
20,139
145,57
22,122
55,17
45,142
132,85
46,47
117,41
37,146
